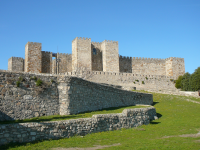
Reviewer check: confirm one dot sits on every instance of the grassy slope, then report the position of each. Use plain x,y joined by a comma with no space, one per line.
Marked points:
177,117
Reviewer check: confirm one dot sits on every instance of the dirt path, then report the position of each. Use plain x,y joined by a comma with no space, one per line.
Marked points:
184,135
87,148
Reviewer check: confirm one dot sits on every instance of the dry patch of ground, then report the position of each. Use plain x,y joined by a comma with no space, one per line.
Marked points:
184,135
87,148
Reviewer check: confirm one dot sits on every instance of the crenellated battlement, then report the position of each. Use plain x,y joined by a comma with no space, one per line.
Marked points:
46,52
17,58
64,54
144,58
175,59
124,57
110,41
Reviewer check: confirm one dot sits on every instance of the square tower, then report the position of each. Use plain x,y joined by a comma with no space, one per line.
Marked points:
175,67
33,57
110,56
81,54
16,64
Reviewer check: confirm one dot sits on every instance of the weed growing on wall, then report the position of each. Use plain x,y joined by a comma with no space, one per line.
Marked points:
142,82
39,82
18,83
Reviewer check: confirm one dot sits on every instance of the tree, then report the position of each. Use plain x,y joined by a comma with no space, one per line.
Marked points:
195,80
185,82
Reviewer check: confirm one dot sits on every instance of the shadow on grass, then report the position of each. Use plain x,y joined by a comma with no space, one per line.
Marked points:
154,103
154,122
66,117
158,115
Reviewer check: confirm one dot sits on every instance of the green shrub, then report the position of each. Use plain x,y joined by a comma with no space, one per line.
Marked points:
137,80
39,82
51,80
134,82
146,78
178,82
142,82
18,83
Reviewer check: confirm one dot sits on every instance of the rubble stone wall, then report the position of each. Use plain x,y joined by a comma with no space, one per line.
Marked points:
77,95
29,132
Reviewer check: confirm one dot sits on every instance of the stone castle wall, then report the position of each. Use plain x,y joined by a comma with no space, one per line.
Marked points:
29,132
33,57
97,64
27,100
148,66
94,56
46,62
65,62
58,95
16,64
125,64
78,95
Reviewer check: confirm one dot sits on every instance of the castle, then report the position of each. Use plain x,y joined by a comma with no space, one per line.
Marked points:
93,56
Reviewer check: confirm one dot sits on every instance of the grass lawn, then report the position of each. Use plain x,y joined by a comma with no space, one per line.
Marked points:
177,116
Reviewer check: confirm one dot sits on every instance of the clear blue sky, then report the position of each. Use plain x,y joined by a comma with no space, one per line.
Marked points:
143,28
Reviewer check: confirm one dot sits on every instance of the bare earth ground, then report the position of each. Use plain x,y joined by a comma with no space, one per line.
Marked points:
88,148
184,135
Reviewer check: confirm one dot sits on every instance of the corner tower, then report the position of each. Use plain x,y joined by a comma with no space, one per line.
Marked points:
110,56
33,57
81,54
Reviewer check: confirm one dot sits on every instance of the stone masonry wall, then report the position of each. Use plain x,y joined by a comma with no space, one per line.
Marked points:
97,64
65,62
16,64
33,57
29,132
77,95
110,56
27,100
46,62
125,64
130,80
148,66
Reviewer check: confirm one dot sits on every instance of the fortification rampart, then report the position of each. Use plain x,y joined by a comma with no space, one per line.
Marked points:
58,95
78,95
28,132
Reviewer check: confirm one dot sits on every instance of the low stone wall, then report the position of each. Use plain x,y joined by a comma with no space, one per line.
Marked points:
77,95
28,132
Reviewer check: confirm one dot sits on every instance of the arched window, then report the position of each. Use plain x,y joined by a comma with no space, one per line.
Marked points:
94,51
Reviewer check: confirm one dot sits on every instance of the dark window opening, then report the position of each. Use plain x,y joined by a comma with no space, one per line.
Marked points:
94,51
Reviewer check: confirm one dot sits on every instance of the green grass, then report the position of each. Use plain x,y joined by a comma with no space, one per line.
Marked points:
76,116
176,117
